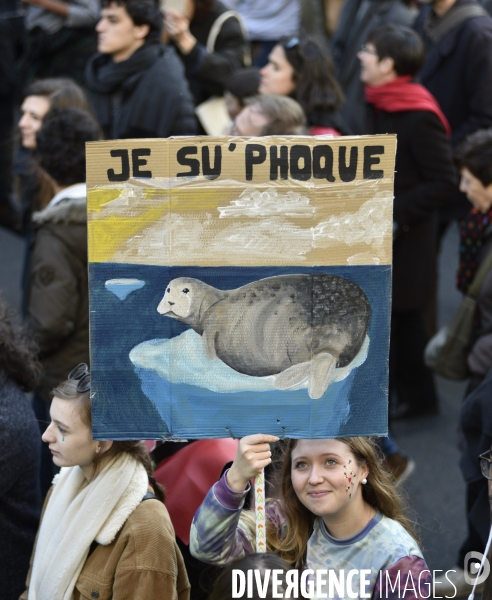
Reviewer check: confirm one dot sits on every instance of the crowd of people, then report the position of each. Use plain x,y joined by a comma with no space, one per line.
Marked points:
78,71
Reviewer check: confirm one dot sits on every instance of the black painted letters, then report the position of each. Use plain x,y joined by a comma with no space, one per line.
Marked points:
125,166
255,155
138,162
370,160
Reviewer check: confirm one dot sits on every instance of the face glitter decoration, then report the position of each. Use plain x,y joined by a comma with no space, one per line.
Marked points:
349,476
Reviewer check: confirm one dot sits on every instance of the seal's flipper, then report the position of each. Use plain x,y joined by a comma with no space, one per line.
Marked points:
292,376
322,368
208,338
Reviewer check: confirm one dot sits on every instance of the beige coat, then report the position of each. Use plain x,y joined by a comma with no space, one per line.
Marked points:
143,561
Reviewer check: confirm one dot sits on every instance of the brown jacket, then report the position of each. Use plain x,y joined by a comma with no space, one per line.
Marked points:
142,563
57,297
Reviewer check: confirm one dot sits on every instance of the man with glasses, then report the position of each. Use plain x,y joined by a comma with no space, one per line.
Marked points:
357,19
390,58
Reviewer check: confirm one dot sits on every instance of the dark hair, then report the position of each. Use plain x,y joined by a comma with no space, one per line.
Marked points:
142,12
67,390
475,153
60,91
203,8
285,115
243,83
61,143
223,587
18,351
314,75
400,43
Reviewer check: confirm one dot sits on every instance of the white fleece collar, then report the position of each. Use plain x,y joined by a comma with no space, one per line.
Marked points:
78,190
78,513
128,502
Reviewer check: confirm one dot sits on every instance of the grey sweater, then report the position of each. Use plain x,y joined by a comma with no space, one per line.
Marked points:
81,13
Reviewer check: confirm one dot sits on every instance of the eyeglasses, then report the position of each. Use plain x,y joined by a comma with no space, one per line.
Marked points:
82,375
365,48
486,464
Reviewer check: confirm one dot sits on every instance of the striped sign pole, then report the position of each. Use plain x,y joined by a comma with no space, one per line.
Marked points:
260,512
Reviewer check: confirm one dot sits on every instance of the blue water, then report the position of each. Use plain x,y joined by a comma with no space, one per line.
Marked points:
135,403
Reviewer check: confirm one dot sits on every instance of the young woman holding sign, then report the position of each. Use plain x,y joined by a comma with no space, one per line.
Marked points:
338,511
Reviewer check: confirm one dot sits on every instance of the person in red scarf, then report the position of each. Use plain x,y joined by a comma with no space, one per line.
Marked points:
424,178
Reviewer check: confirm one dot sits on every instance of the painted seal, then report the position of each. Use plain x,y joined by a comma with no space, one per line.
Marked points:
295,327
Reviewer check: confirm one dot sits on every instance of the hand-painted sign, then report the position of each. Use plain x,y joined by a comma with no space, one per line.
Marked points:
240,285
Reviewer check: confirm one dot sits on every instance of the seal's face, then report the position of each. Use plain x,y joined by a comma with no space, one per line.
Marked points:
177,299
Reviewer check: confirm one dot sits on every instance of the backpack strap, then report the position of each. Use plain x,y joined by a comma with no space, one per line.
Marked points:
93,546
451,20
149,496
217,26
480,275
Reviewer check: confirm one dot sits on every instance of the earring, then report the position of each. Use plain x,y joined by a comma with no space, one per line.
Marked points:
98,449
364,481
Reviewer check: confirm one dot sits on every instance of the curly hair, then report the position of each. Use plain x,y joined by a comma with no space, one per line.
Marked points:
61,143
18,351
67,390
314,76
379,492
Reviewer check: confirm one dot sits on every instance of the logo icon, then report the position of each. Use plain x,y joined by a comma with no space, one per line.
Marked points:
472,565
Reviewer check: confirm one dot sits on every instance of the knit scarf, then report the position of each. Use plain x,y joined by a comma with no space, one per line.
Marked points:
104,76
401,95
77,514
473,231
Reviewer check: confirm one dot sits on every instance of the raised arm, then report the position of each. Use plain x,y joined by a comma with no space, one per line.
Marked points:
221,532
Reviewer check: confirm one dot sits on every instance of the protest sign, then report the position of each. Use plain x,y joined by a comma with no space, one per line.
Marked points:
240,285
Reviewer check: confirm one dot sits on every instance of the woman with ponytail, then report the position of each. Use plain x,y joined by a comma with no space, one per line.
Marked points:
338,510
105,532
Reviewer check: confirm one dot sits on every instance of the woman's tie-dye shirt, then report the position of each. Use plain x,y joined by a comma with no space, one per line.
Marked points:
397,567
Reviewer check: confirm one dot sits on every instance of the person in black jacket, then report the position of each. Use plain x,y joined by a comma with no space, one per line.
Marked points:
474,160
211,43
20,500
424,176
458,71
137,87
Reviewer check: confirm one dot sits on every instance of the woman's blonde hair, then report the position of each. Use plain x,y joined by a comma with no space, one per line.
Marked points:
67,390
380,492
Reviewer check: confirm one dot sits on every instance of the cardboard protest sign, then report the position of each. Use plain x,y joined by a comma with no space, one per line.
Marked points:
240,285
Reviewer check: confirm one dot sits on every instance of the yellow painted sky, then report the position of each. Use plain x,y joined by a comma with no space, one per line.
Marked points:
319,225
